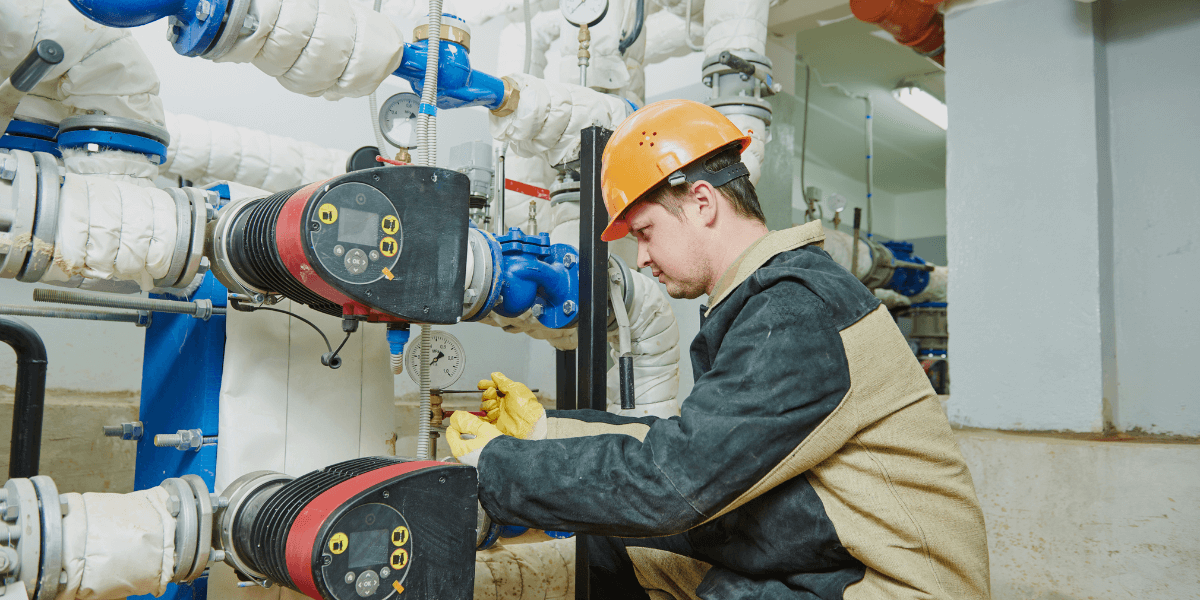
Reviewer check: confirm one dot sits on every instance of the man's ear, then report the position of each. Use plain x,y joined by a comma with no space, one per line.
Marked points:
707,202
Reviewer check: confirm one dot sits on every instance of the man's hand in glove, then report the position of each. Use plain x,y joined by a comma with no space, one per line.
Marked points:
512,408
467,435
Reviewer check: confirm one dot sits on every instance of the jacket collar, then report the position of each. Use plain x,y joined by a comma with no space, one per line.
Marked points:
761,251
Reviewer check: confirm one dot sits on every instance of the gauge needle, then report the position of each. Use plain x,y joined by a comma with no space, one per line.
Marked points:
437,358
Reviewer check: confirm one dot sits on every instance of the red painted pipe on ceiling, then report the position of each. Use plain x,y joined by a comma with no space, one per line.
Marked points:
914,23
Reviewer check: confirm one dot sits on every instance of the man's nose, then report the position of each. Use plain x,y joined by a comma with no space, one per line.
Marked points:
643,256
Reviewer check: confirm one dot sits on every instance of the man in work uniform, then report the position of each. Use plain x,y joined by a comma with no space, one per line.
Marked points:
812,458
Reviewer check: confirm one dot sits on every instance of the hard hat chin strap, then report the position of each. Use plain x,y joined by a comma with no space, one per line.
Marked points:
696,172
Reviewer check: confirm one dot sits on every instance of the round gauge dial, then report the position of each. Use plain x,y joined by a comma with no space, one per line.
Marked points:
446,359
583,12
835,202
398,119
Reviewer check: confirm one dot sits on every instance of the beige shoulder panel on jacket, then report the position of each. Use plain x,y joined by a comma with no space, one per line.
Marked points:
762,251
891,477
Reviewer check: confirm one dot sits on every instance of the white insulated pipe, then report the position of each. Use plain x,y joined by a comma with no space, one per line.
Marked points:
203,151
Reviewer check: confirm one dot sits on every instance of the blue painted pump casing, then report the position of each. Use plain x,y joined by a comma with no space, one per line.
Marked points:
181,389
532,271
909,282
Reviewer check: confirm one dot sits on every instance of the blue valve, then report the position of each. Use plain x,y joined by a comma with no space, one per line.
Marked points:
194,27
909,282
538,276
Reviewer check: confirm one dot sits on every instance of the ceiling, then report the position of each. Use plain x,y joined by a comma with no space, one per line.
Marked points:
910,152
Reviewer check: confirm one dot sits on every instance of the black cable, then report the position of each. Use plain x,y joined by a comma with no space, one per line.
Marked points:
638,22
329,359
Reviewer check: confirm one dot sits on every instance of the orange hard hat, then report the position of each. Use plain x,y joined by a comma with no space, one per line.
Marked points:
656,141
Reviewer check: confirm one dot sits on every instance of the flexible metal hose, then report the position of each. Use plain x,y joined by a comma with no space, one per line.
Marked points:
425,408
427,139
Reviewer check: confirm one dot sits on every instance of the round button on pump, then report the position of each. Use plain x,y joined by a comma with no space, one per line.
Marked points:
368,582
356,261
338,250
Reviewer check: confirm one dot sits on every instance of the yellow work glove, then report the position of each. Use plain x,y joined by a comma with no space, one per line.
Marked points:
512,408
467,434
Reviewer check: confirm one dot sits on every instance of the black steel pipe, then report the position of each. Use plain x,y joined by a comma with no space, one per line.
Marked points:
626,365
29,397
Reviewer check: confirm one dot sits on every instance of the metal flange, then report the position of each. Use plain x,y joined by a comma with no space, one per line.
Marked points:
204,516
45,225
50,569
24,199
183,224
186,526
21,511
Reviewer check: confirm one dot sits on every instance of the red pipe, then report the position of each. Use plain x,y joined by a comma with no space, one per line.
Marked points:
914,23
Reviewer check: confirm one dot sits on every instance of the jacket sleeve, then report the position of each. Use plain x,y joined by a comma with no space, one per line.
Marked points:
779,370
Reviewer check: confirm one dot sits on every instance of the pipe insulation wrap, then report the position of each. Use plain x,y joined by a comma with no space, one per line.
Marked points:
205,151
735,25
113,230
756,153
547,27
116,165
537,571
117,545
655,347
839,245
550,116
103,69
330,48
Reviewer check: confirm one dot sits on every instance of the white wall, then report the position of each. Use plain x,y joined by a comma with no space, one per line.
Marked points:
1022,209
1153,81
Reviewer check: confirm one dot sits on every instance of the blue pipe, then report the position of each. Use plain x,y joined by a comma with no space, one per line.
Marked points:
194,30
458,84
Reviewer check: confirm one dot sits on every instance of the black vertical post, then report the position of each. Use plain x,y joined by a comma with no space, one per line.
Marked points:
565,376
593,305
29,397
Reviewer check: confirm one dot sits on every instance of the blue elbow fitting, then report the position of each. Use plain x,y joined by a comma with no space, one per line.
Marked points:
909,282
194,25
535,275
458,84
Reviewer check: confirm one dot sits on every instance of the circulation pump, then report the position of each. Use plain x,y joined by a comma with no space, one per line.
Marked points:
386,244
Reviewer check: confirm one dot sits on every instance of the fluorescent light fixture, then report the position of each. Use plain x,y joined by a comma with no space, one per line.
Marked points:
923,103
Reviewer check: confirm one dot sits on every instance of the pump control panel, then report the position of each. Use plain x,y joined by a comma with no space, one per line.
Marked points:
382,244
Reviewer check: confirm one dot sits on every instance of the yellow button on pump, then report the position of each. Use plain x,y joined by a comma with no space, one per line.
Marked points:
388,246
338,543
327,213
399,558
391,225
400,536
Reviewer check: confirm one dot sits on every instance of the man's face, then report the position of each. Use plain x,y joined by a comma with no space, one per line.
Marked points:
668,245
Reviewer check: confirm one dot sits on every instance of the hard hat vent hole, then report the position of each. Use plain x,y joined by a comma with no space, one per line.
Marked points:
655,133
651,144
643,133
641,143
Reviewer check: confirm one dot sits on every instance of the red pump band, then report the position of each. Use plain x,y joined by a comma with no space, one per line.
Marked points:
302,537
289,238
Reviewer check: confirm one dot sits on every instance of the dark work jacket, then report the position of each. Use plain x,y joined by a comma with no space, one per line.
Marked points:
812,457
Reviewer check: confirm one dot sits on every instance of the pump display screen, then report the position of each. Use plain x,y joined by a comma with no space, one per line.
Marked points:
366,547
358,227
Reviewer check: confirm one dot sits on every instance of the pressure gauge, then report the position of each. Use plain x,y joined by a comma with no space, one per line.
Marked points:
398,119
835,202
446,359
583,12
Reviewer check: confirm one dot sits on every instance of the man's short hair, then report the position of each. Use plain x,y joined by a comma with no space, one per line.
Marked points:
739,191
